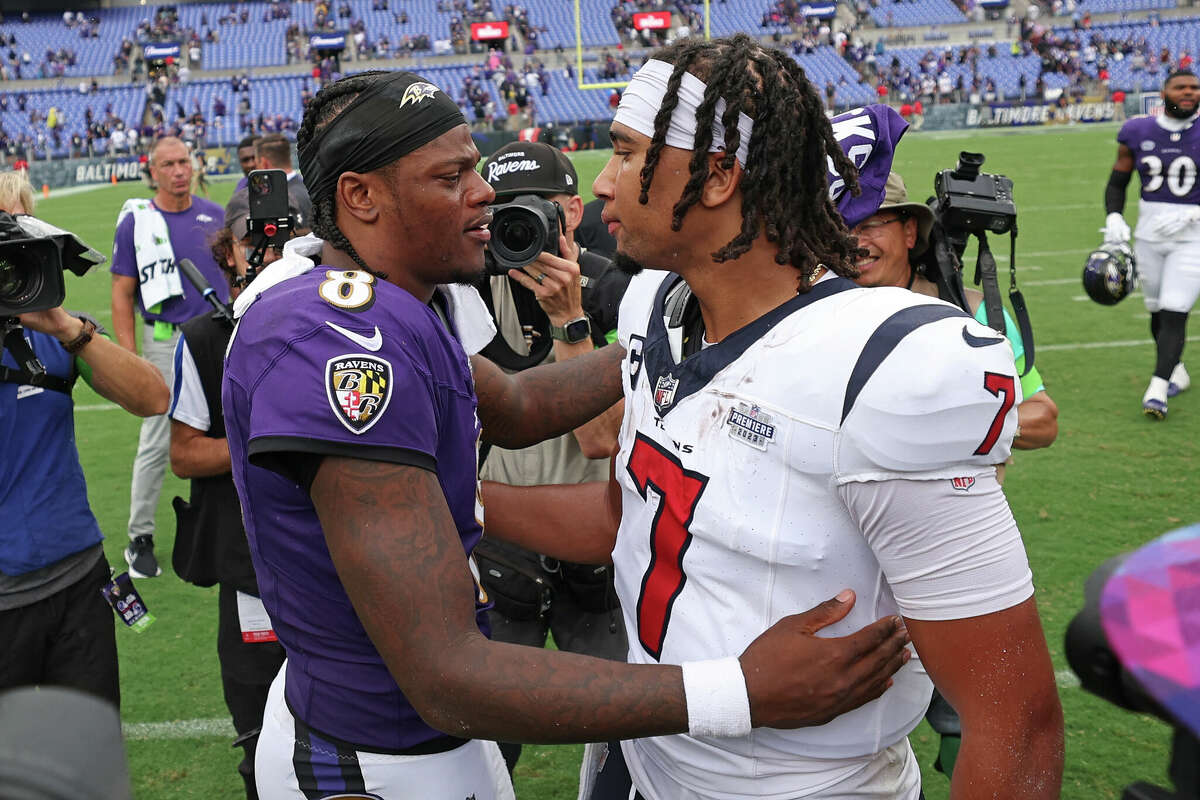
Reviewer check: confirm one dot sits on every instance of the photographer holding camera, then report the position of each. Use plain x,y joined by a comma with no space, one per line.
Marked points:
551,300
210,545
894,240
56,625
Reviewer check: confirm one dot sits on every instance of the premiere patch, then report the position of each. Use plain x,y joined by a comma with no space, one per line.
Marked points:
750,424
359,387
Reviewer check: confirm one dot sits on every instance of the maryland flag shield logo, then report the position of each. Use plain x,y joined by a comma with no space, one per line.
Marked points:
359,387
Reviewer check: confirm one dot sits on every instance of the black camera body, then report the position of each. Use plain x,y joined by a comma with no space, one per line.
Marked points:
524,227
33,255
970,201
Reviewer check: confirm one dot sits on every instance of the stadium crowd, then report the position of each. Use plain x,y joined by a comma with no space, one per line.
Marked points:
1040,61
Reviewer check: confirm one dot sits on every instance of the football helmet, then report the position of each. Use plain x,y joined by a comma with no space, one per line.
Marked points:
1110,273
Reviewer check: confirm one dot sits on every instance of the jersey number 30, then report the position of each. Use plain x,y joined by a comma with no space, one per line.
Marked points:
655,470
1180,175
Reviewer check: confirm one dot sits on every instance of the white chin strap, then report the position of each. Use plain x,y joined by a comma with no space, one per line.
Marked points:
643,98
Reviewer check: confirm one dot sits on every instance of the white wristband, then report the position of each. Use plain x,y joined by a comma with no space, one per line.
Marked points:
717,701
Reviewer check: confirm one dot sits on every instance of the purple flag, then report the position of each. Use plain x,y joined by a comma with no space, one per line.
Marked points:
868,136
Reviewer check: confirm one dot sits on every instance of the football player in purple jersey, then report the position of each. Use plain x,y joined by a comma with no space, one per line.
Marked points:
1165,151
351,414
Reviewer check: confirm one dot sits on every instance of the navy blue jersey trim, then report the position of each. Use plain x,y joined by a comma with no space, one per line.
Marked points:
884,340
694,372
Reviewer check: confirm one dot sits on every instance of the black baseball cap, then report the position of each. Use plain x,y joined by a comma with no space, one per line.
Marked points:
237,212
530,168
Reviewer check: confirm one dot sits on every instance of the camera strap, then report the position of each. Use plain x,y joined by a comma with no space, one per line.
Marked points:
33,373
498,349
20,376
1018,303
985,270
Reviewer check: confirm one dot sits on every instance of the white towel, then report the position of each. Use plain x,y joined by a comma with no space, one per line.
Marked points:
467,310
158,277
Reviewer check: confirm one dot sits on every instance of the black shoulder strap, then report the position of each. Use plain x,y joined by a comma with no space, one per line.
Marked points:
1018,303
498,350
47,381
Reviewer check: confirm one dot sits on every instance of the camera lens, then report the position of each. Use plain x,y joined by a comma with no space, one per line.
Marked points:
517,234
17,285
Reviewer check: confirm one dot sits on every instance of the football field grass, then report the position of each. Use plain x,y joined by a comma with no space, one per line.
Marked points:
1113,480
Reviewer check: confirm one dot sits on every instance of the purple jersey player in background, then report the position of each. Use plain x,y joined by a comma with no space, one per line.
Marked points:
352,420
1165,151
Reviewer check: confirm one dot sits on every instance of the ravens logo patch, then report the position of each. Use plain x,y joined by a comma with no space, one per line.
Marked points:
359,387
417,92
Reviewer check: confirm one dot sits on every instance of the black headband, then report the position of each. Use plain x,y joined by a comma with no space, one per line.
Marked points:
389,119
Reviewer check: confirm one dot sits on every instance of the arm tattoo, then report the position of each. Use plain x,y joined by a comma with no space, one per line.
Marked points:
539,403
399,558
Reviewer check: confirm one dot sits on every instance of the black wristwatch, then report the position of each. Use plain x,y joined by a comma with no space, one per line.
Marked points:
573,332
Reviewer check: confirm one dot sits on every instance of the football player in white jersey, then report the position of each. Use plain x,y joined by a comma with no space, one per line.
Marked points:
786,433
1165,151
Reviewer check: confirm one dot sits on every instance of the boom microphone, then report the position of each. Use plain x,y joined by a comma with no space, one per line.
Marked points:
197,279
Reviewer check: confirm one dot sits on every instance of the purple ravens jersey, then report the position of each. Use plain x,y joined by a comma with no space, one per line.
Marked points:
1166,160
868,136
338,363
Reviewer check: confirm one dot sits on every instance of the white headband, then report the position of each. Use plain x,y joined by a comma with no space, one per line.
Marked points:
643,98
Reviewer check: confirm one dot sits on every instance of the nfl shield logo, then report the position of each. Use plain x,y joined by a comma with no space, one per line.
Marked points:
664,391
359,387
962,484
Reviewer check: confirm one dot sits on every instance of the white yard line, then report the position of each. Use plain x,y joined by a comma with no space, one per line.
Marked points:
179,729
1095,345
1066,679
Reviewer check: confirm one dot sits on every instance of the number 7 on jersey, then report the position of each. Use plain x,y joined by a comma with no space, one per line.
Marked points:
997,384
653,469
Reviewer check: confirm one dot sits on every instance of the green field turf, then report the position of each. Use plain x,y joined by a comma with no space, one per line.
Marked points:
1113,480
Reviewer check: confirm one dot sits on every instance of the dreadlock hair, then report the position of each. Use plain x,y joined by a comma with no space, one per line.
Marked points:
785,192
320,113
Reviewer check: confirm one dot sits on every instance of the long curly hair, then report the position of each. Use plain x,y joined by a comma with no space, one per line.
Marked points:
785,191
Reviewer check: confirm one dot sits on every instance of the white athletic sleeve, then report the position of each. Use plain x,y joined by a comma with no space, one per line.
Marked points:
939,404
949,548
188,404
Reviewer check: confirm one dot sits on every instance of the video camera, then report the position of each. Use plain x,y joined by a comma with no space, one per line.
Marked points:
971,203
33,255
521,229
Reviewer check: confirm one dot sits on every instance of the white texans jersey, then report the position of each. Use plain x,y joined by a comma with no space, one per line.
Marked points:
731,465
